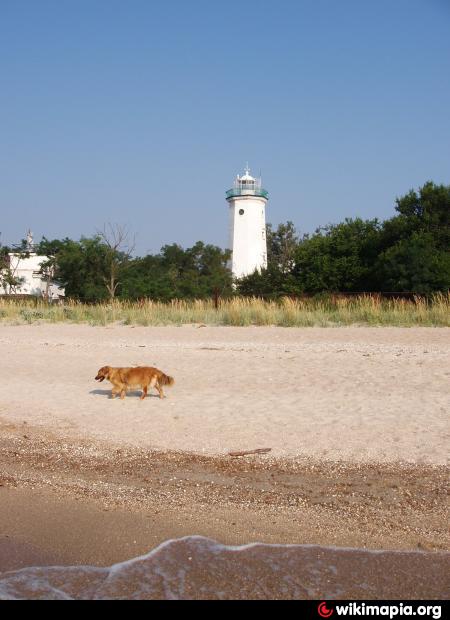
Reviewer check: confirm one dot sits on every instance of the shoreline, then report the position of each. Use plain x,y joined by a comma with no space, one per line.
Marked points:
348,530
198,568
155,496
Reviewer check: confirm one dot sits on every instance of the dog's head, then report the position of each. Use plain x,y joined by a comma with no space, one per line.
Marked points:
103,373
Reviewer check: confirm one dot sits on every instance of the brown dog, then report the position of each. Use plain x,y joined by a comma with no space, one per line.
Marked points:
124,379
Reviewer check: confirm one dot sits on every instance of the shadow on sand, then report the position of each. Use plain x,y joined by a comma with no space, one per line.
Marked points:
134,393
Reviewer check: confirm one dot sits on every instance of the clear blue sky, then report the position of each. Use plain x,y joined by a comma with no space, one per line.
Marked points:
141,112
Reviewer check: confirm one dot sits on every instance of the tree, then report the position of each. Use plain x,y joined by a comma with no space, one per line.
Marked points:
428,211
115,238
47,270
81,266
197,272
9,281
281,246
414,245
414,264
270,282
175,272
338,257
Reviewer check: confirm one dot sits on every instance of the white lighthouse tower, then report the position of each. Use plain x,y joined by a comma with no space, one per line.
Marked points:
248,243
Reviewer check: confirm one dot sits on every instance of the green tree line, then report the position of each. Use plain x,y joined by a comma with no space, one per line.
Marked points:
408,252
84,267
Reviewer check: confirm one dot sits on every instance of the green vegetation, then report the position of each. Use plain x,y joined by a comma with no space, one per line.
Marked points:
325,311
409,252
91,271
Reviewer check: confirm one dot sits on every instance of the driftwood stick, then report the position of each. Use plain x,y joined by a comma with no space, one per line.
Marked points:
245,452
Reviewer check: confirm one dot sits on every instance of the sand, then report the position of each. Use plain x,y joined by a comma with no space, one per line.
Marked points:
361,394
356,420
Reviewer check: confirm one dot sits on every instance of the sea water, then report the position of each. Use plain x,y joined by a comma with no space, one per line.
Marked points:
198,568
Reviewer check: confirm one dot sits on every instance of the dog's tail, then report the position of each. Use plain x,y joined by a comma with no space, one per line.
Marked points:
166,380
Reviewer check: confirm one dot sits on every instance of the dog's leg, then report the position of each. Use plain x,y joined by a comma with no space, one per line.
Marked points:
160,390
123,391
113,393
144,392
153,383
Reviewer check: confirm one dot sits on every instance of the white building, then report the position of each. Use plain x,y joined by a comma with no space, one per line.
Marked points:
27,268
247,201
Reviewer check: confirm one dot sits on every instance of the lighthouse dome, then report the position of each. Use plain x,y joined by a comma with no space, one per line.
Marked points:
247,177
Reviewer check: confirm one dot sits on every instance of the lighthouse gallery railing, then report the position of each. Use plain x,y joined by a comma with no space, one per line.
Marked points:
262,193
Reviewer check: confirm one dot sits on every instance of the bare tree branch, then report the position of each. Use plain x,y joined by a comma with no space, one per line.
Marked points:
116,239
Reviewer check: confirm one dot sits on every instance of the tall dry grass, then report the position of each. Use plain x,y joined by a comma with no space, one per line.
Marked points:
323,312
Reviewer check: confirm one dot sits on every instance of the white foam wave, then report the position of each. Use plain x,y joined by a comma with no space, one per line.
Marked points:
199,568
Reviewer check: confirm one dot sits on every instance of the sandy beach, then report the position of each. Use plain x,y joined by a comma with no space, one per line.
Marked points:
356,420
361,394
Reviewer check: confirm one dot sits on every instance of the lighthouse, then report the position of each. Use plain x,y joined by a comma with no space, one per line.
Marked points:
247,202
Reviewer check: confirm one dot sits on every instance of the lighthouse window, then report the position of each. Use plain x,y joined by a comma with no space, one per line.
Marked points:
241,211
